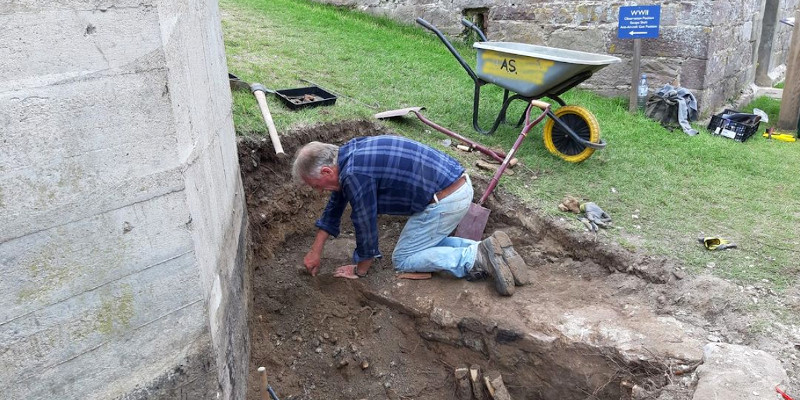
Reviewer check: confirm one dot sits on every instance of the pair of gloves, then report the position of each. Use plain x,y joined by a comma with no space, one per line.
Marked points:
593,216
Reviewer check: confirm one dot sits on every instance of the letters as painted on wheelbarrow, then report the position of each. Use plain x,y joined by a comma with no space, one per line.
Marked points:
639,22
535,69
514,67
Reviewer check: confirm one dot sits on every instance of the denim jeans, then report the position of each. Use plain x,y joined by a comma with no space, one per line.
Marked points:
424,244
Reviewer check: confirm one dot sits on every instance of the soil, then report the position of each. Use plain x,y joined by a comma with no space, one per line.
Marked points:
386,338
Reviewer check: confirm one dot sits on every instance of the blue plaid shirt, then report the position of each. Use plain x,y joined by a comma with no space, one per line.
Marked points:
384,175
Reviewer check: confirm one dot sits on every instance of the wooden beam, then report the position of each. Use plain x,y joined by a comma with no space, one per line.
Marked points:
463,385
496,386
790,101
477,383
635,75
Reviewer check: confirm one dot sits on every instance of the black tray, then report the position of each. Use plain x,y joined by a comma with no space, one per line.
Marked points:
311,96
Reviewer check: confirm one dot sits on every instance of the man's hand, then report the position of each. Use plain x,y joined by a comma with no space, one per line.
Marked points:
346,271
312,262
312,258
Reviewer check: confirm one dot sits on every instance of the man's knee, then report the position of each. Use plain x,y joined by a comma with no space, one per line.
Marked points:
398,258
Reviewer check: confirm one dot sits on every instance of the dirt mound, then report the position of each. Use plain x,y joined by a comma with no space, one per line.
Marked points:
598,322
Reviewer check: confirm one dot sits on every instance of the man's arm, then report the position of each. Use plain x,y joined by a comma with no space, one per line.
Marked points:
332,215
312,258
364,213
328,226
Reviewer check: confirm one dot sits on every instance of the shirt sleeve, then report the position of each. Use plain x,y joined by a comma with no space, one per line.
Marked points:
364,202
332,216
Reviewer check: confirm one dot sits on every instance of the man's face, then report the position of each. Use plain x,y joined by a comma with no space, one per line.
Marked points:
328,180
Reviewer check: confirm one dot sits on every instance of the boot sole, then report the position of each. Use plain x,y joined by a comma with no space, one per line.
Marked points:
514,261
503,278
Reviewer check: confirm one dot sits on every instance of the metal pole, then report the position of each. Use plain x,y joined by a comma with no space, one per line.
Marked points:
635,74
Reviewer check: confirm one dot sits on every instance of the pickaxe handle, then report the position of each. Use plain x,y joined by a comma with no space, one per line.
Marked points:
262,104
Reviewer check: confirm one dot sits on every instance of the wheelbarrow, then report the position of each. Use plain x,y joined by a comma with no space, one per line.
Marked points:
530,72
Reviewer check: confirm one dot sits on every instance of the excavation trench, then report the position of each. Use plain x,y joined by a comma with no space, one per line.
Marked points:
598,321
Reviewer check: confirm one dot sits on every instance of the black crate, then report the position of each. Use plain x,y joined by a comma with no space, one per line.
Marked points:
311,96
730,129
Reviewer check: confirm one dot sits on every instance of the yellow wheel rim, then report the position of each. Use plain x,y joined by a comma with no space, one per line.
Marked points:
560,143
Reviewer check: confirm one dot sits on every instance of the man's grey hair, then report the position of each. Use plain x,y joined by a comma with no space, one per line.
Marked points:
312,157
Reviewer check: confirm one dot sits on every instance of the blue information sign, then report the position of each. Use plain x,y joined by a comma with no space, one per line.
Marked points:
639,22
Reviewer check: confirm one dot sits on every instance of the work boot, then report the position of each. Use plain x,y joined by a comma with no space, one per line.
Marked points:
489,262
515,262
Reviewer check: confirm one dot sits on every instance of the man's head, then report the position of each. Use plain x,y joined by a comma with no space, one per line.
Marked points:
315,164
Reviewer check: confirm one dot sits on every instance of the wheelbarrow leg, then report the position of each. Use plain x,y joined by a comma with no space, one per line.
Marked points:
557,99
501,116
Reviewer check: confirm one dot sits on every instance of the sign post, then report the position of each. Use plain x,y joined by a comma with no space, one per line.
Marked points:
638,22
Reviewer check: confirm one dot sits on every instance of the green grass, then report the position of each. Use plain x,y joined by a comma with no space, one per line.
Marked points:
779,85
662,188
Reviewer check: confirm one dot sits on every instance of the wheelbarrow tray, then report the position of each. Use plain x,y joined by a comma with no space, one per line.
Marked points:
533,71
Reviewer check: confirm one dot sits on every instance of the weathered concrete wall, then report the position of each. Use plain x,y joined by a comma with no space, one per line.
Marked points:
122,235
710,47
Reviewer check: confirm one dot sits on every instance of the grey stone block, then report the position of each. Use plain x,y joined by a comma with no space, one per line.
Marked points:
736,372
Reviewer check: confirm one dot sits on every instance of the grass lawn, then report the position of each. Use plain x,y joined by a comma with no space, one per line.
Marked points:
663,189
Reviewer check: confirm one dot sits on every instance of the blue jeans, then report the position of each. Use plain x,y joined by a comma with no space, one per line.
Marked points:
424,244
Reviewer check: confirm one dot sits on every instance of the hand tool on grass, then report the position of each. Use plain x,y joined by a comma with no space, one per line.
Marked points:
783,137
266,389
259,91
496,155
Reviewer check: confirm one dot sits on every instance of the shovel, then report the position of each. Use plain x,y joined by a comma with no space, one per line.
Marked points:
473,224
259,91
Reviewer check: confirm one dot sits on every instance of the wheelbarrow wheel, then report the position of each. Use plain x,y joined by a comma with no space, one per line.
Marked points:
559,142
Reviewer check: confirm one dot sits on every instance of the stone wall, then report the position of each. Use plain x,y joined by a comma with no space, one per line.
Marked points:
122,241
710,47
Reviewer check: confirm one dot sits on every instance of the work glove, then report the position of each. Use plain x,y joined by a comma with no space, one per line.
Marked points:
595,216
716,243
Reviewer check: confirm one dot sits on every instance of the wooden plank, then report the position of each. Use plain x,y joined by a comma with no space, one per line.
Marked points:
635,75
477,382
463,385
790,101
496,386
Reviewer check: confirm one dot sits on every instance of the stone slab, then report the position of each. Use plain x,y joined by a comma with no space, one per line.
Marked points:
735,372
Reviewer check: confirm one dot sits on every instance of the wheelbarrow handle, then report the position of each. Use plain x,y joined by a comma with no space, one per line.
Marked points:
450,47
475,28
541,104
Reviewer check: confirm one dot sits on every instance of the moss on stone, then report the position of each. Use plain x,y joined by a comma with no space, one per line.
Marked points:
116,311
